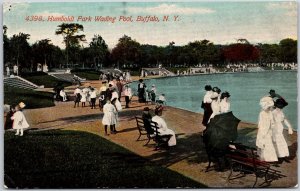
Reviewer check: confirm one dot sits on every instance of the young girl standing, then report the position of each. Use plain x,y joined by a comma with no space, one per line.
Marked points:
20,122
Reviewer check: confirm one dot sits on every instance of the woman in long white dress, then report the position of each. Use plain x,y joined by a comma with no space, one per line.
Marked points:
109,117
281,146
264,142
162,126
20,123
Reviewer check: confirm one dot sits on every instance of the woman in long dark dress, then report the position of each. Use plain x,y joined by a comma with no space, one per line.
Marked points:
141,91
206,105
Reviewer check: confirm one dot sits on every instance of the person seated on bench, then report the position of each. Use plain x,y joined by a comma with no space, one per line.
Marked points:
63,94
147,118
162,126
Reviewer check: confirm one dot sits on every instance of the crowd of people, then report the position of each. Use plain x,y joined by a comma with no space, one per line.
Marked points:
271,144
124,76
214,102
109,96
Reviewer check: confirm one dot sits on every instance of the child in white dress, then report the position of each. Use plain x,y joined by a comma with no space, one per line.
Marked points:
109,117
20,123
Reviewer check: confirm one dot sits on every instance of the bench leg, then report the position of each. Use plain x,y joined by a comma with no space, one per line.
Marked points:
147,142
139,137
231,171
268,182
256,177
156,146
208,166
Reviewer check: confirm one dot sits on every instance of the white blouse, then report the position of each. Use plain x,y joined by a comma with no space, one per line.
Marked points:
224,106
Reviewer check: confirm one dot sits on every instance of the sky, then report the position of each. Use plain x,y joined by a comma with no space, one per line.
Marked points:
219,22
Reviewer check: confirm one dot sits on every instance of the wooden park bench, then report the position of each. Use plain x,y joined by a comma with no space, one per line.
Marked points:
152,133
244,160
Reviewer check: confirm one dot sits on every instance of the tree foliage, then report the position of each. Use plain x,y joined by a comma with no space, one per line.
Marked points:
128,53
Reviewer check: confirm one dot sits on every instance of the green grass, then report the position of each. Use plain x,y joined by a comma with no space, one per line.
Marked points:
32,99
181,69
72,159
46,80
89,75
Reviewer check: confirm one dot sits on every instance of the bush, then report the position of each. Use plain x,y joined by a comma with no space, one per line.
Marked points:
27,74
174,70
46,80
32,99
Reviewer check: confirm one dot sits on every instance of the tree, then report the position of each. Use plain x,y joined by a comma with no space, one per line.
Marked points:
98,50
239,52
20,50
269,53
6,44
127,52
68,31
42,51
288,50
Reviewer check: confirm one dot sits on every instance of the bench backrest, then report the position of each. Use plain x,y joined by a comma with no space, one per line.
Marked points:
247,155
145,127
140,124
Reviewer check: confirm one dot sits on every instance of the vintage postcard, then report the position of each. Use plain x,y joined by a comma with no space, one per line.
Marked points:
150,94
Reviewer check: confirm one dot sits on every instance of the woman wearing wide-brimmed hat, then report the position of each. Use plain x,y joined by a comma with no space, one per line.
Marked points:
264,142
280,143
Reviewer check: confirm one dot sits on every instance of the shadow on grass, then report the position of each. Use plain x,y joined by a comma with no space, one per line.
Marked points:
72,159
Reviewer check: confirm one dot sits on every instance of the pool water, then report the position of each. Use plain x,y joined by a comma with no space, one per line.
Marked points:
245,89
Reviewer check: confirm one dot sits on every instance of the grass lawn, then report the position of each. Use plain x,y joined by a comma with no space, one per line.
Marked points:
32,99
89,75
73,159
46,80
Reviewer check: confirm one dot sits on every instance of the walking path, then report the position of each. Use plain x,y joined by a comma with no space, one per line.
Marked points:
188,157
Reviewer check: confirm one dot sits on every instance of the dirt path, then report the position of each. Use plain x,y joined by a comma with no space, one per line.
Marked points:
188,157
